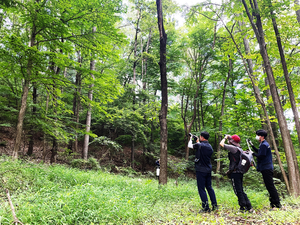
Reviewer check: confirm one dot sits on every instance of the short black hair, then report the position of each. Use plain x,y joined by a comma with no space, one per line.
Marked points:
262,133
205,134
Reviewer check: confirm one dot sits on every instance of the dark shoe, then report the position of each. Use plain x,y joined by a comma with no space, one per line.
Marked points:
274,209
242,209
278,205
215,207
250,210
205,210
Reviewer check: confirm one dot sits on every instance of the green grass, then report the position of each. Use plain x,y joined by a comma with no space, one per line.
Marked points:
60,195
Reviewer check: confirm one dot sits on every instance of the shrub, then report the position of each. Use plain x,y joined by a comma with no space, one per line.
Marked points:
105,142
67,155
128,171
124,139
177,168
91,163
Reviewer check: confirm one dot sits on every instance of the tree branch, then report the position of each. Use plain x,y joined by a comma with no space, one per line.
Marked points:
16,220
204,15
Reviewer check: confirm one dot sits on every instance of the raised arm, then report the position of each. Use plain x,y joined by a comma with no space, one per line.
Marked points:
222,143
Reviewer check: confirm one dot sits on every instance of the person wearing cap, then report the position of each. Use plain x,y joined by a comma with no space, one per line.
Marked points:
233,173
203,169
265,166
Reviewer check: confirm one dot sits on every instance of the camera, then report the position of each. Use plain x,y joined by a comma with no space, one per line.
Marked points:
193,136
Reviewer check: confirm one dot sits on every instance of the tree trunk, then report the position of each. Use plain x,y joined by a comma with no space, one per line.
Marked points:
134,78
144,76
202,112
164,94
142,60
132,152
31,142
135,46
146,60
221,120
1,19
54,138
271,110
21,118
78,92
188,126
77,124
54,150
76,101
89,111
250,67
298,10
259,33
290,89
44,141
198,121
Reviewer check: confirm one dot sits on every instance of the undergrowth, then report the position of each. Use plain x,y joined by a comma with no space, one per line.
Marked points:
44,194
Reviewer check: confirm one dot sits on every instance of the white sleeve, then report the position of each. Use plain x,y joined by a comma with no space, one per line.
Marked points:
190,144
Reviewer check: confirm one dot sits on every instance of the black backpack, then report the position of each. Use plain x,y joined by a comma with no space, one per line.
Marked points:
246,160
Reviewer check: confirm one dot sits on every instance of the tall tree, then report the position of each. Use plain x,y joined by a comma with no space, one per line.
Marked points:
199,52
220,137
286,138
289,85
89,111
27,77
164,95
249,68
34,108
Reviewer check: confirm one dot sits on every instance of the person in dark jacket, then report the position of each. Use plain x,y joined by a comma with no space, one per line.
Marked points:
233,173
203,171
265,166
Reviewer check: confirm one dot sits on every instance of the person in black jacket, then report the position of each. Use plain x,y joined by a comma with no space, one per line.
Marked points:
265,166
233,173
203,171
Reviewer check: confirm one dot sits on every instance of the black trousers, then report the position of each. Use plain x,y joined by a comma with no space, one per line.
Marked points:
237,184
204,182
269,183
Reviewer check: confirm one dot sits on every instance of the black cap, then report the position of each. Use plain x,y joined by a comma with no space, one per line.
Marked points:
261,133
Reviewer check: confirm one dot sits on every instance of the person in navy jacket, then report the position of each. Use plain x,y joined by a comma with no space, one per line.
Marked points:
203,169
265,166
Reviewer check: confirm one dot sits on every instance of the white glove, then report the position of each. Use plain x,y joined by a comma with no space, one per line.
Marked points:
190,144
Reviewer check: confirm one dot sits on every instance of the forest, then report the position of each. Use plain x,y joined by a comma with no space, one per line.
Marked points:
120,83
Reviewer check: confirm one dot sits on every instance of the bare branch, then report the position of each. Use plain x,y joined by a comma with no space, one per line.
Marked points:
16,220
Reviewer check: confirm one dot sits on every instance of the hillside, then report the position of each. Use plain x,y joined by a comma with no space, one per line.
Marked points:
115,162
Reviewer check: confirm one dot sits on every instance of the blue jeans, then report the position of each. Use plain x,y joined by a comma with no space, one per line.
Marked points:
204,182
